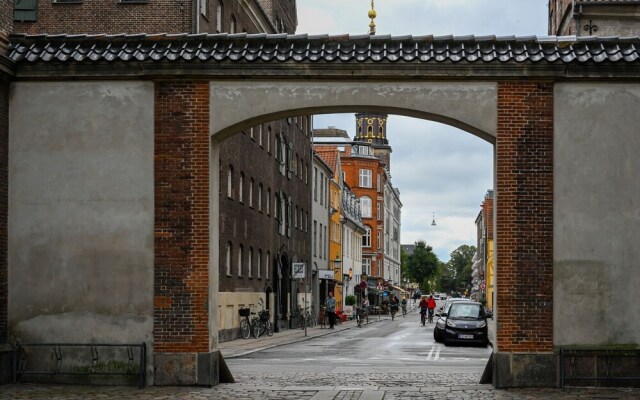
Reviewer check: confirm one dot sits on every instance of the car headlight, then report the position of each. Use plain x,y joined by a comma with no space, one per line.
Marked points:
482,324
451,324
440,324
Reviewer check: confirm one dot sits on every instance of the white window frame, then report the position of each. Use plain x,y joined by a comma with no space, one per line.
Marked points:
365,178
366,207
366,238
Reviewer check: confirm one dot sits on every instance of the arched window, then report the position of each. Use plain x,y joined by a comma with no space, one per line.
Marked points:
230,182
240,187
365,207
250,263
219,11
366,238
240,249
232,26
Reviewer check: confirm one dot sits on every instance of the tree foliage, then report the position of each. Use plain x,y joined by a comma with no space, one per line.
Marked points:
456,273
423,263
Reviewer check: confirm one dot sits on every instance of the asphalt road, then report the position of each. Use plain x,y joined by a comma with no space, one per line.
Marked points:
380,348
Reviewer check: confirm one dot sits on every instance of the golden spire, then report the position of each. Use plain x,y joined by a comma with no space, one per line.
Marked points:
372,15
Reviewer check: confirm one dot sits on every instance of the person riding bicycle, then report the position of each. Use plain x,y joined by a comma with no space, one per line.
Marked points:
394,302
424,306
403,303
431,305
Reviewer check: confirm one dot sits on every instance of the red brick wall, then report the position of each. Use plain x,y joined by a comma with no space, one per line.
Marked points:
110,16
4,183
181,217
524,212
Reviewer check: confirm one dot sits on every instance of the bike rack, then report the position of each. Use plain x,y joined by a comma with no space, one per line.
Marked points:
117,360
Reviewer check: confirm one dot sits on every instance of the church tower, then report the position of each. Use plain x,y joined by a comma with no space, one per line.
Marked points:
372,127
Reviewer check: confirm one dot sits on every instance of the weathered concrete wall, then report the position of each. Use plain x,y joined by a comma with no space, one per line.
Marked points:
81,212
468,106
596,214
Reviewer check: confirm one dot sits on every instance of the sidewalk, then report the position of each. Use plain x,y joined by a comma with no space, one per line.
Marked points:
241,347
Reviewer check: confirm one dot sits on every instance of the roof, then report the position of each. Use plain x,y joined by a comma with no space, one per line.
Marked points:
330,156
332,49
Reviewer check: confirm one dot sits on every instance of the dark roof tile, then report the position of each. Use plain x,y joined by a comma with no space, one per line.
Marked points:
304,48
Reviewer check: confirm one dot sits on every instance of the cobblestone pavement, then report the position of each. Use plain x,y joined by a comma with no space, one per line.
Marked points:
318,387
269,384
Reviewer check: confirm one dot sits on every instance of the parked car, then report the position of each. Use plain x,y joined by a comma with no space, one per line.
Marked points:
462,322
447,303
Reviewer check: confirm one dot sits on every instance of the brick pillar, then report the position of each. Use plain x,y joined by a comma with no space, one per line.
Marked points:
181,282
524,230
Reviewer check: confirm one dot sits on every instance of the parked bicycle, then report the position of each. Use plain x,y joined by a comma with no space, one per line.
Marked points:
304,318
245,323
263,324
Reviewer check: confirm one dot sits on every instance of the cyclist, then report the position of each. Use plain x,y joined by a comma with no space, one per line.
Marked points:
403,303
393,303
431,305
423,309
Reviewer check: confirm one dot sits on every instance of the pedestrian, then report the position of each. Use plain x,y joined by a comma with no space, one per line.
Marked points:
331,309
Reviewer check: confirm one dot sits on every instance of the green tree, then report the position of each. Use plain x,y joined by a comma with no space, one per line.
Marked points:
423,263
460,266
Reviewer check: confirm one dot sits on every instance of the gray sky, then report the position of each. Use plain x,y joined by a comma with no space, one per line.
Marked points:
437,168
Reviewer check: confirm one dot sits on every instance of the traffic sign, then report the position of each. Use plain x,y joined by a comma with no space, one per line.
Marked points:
298,270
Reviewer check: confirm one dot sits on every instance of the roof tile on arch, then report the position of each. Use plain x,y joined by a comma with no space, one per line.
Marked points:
310,48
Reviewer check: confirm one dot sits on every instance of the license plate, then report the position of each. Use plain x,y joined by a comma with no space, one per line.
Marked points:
461,336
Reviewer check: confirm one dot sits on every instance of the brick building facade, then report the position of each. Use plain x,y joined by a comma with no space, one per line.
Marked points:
594,17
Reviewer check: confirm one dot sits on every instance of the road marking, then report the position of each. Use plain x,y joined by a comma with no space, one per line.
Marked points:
433,357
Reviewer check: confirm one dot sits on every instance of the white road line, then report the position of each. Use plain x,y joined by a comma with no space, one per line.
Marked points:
430,353
437,357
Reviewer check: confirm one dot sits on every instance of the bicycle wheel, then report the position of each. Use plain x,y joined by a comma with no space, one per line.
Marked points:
269,328
245,329
257,328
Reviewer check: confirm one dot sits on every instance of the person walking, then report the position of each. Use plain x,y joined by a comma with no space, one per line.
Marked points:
331,309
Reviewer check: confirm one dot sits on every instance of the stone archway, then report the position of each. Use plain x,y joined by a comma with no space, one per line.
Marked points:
549,107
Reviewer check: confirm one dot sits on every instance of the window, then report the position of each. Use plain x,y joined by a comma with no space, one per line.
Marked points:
315,183
365,178
260,135
230,182
260,197
251,133
259,265
228,262
366,266
232,29
379,183
251,182
321,188
266,265
240,187
268,139
250,263
219,11
365,206
203,7
268,200
366,238
379,211
240,260
315,237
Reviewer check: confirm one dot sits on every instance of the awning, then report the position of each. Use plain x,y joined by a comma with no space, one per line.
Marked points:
398,288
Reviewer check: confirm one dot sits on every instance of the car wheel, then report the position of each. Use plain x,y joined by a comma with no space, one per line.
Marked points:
436,337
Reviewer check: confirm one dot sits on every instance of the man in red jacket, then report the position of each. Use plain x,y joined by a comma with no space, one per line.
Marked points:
431,305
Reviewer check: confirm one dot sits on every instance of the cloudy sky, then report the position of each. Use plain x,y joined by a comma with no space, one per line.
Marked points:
438,169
